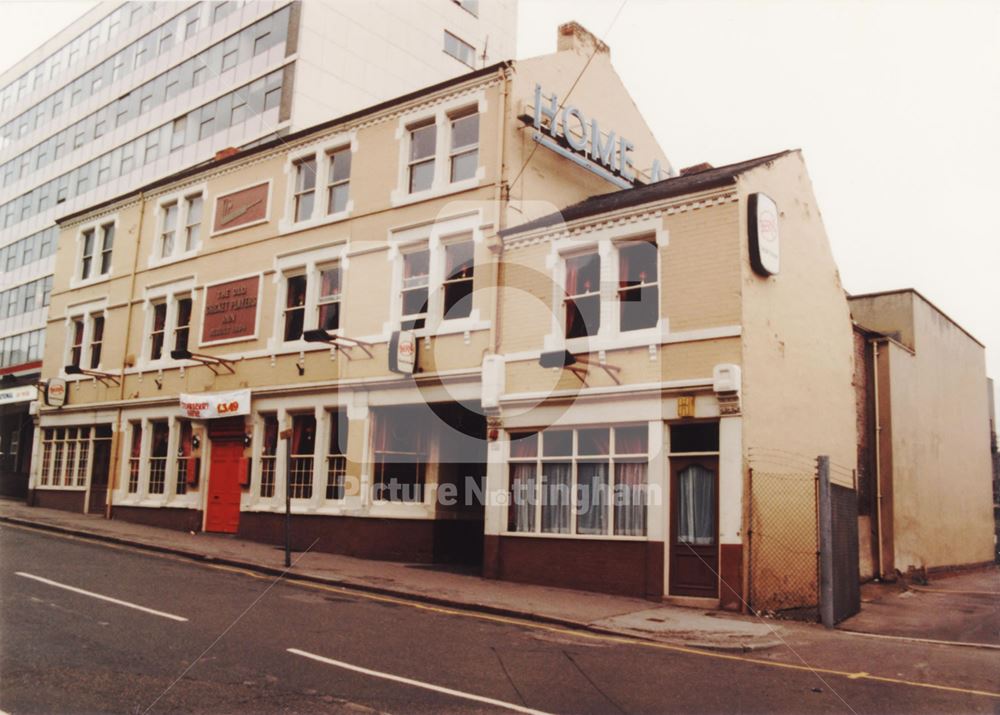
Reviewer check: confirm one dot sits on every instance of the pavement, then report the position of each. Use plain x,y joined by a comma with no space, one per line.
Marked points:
442,586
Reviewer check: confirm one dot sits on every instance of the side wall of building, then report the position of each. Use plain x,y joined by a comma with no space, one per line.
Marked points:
940,447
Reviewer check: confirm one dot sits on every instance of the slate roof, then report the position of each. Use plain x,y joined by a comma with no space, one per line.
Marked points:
627,198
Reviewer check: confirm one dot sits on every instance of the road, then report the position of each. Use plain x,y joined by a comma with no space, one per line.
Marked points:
185,637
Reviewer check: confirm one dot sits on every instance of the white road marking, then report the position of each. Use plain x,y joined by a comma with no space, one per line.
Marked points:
417,683
74,589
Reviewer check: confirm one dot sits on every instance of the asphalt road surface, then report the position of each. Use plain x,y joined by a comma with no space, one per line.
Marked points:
90,627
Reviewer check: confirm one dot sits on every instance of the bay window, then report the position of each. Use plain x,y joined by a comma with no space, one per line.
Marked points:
586,481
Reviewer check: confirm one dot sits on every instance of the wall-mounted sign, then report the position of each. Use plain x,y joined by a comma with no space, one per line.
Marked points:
685,406
210,405
403,352
765,245
230,310
240,208
24,393
55,392
570,134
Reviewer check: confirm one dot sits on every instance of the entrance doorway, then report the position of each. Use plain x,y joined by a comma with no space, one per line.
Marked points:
99,470
222,512
694,526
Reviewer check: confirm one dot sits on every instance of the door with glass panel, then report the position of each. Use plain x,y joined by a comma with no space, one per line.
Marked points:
694,526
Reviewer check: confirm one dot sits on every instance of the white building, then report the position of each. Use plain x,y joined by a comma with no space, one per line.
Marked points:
133,91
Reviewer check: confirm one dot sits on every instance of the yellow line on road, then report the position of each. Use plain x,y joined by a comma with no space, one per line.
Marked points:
567,631
949,591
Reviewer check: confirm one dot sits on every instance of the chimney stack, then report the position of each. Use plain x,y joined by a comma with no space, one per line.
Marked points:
576,38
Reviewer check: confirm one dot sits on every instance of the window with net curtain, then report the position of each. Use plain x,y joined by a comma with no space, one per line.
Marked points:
696,483
604,468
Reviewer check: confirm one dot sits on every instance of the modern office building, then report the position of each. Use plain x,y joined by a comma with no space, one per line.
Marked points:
135,91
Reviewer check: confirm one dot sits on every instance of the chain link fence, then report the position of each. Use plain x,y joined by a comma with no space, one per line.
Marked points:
784,543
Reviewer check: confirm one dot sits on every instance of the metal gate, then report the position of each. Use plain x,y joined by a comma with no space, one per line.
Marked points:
840,589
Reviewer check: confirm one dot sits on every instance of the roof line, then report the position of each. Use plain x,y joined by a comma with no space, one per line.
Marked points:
294,136
897,291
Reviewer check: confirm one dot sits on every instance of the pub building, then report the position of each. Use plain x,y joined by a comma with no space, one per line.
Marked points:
480,323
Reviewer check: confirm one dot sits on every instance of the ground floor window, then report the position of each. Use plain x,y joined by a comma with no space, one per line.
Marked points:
268,456
300,479
135,458
65,456
185,448
336,461
158,457
400,454
587,481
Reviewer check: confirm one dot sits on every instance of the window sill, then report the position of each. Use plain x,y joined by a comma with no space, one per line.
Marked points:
59,488
610,340
286,227
584,537
170,260
80,283
403,198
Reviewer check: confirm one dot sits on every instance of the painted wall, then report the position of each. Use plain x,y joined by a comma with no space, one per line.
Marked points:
797,336
940,441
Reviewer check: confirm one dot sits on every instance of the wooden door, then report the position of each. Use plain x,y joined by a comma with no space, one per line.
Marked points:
99,476
694,526
222,513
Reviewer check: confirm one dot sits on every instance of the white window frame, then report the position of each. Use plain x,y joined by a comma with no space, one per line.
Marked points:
193,496
169,295
180,251
435,237
605,242
321,152
43,464
441,116
97,226
310,264
85,312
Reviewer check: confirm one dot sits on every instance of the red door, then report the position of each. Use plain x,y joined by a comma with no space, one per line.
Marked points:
222,513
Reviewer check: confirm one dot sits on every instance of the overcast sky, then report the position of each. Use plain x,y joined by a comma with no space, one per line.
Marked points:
895,105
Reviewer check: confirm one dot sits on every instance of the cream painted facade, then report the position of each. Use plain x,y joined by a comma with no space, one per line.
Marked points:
934,464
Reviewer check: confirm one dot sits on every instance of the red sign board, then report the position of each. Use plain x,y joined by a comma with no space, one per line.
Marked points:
230,310
240,208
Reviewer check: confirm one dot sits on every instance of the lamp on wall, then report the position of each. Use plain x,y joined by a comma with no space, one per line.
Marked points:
340,341
568,361
105,378
209,361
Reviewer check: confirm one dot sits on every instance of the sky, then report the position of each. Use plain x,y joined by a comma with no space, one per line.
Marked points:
894,104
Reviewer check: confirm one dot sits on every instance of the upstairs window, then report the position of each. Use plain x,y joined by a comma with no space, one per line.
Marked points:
459,268
76,347
464,147
107,246
305,188
338,181
87,258
638,287
96,340
295,307
192,222
582,304
423,146
169,230
416,267
329,298
182,324
159,331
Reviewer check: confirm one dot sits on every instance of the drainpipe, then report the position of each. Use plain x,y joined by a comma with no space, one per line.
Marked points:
128,334
878,458
501,201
